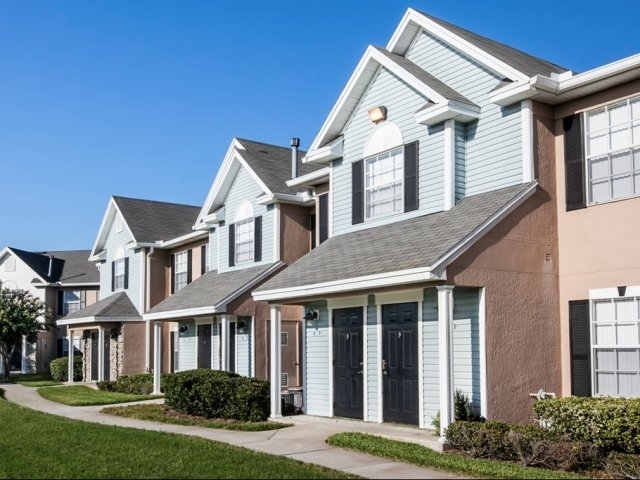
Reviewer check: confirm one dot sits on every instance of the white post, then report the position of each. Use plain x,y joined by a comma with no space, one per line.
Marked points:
276,361
445,334
157,366
100,354
70,355
224,343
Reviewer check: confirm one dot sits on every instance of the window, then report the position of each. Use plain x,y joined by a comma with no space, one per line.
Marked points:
612,139
73,301
284,339
384,183
119,274
180,271
615,339
244,236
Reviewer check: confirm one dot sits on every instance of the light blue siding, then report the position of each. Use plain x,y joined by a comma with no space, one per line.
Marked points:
317,370
215,344
494,141
460,156
187,347
244,188
466,344
430,358
372,386
243,351
213,249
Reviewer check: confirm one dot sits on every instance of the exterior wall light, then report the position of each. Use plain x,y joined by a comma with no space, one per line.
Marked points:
311,314
378,114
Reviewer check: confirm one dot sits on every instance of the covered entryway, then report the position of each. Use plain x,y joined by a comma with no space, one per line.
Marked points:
348,362
400,363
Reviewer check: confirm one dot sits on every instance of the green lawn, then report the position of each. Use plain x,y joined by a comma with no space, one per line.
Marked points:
38,445
31,380
81,395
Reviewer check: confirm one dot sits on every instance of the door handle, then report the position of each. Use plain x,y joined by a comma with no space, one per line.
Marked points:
384,367
359,372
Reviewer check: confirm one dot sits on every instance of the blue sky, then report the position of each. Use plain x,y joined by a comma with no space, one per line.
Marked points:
142,98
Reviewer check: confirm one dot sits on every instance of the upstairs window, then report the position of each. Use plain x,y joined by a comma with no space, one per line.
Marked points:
244,241
119,274
181,270
384,184
245,236
73,301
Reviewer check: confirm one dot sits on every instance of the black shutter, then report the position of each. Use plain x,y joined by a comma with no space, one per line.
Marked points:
126,273
580,348
113,276
257,239
173,273
232,245
60,303
573,162
189,268
324,217
411,176
357,192
203,259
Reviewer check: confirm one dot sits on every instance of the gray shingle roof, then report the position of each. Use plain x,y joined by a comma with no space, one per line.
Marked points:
523,62
70,266
211,289
273,164
152,221
413,243
116,306
425,77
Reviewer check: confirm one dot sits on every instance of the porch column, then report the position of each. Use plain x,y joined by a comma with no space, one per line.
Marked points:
445,336
70,355
224,342
157,358
276,360
100,354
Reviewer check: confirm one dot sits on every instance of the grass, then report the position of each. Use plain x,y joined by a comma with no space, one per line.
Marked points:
38,445
81,395
34,380
162,413
425,457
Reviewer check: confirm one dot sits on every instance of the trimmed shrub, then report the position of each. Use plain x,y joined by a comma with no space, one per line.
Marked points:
481,440
612,424
623,465
59,368
107,386
462,409
217,394
138,384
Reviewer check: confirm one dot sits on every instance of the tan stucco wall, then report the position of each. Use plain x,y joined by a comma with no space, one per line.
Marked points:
516,263
599,246
134,348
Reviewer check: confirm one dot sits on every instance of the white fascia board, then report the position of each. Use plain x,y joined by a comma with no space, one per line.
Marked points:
413,17
310,179
76,284
381,280
600,73
482,229
523,91
305,199
329,152
189,237
78,321
612,292
183,313
449,110
211,220
100,256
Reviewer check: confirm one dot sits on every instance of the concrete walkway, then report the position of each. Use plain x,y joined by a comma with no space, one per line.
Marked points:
305,441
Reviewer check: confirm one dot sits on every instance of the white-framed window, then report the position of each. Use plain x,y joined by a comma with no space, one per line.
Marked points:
73,301
612,139
244,246
181,268
118,274
383,183
615,343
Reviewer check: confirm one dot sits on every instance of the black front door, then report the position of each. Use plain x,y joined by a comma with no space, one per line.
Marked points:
204,345
95,354
400,363
347,362
107,356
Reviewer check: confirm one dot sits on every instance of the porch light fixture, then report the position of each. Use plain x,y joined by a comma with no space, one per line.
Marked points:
311,314
622,289
241,326
378,114
184,327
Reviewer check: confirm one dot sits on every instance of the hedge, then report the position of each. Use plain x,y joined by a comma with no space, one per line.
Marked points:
140,384
612,424
59,368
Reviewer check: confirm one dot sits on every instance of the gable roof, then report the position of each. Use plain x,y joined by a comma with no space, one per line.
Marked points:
149,221
211,292
115,308
269,165
70,267
408,251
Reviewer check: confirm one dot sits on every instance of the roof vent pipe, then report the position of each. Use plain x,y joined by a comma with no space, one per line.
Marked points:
295,143
50,266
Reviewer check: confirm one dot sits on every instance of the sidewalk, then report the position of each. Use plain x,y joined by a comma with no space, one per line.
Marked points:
305,441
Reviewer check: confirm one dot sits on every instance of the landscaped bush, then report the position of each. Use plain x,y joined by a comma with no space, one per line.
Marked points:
138,384
462,410
612,424
623,465
60,368
107,385
217,394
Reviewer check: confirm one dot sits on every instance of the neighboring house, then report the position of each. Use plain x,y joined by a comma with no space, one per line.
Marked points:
441,267
597,127
66,281
143,249
256,225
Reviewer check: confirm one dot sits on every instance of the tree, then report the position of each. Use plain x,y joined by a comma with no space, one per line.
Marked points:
20,314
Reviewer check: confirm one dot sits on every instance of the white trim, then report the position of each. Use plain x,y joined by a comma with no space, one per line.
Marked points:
252,339
303,369
482,321
277,238
331,151
357,283
445,354
448,110
365,362
379,361
528,173
100,353
347,302
318,176
157,355
449,145
225,321
330,201
276,361
330,360
187,312
612,292
404,296
420,365
94,319
272,198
